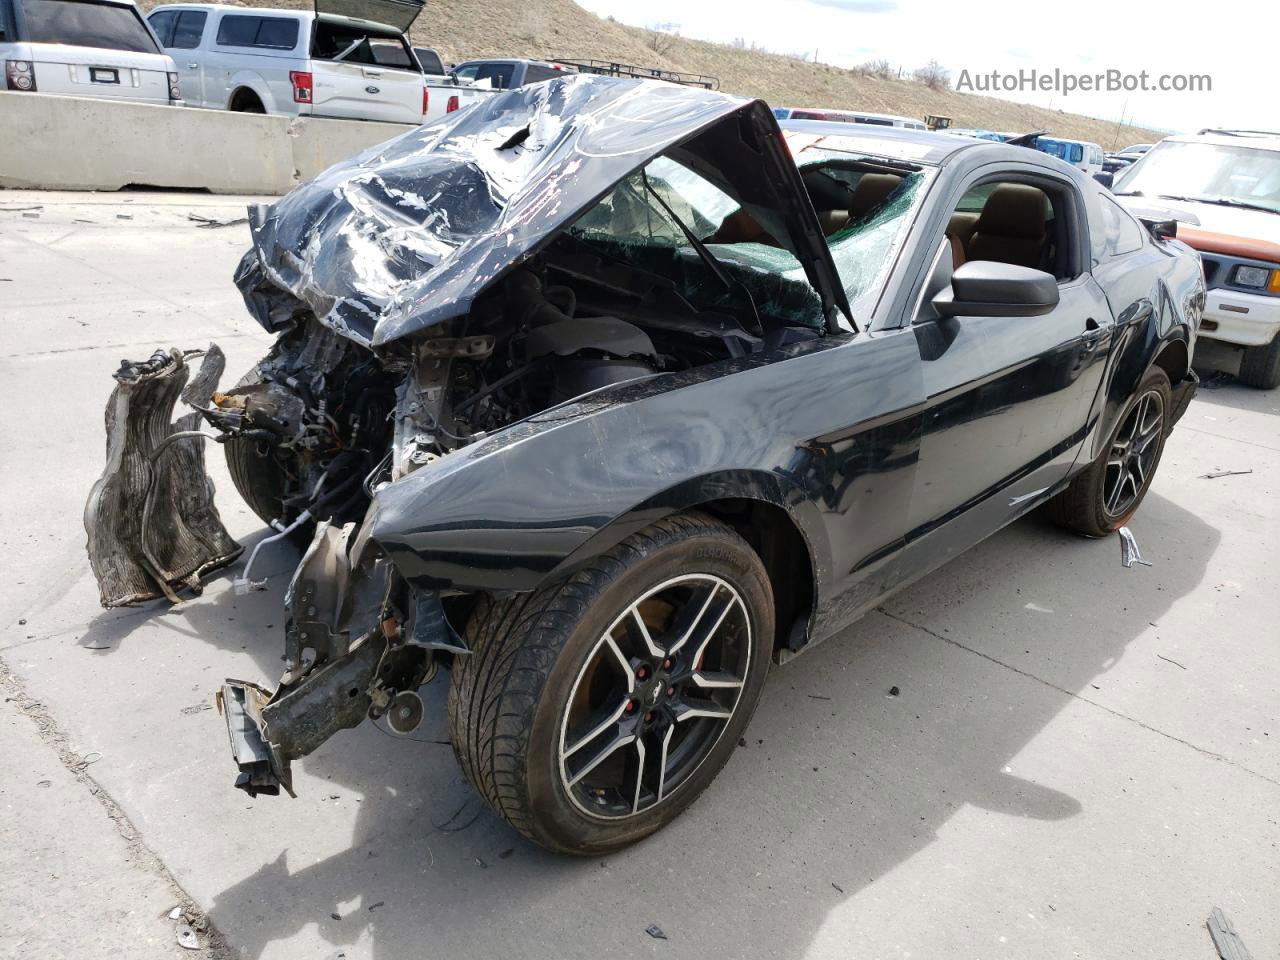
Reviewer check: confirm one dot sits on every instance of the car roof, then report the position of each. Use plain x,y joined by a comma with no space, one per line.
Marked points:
234,8
272,12
852,112
918,146
897,143
1258,139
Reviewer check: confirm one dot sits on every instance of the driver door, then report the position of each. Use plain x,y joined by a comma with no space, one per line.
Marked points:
1007,398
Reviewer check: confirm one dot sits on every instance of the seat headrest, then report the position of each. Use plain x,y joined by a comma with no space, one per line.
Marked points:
871,191
1014,210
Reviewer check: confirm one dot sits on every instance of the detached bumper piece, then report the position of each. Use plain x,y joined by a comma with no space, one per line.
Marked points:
269,731
356,639
152,525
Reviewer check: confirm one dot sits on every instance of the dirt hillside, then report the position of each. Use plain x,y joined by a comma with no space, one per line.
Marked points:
461,29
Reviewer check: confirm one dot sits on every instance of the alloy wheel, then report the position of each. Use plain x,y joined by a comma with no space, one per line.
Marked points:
654,696
1133,453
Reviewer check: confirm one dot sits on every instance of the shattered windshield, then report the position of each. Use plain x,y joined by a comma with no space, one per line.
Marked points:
640,214
863,206
865,246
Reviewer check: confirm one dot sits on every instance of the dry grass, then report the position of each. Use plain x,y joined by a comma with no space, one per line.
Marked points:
462,29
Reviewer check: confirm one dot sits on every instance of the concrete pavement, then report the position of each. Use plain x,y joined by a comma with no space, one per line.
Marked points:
1082,760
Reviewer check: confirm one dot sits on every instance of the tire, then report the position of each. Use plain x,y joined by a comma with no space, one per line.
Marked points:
1086,505
544,675
258,475
1260,366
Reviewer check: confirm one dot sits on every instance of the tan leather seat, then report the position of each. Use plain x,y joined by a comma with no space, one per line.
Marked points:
871,191
1011,228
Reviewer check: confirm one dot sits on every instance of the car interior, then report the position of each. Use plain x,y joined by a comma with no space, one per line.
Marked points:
843,197
1009,222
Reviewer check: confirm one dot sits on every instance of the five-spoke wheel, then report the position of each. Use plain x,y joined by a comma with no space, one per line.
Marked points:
655,695
1102,498
595,710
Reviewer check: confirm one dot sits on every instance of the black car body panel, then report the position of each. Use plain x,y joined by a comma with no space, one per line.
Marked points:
405,235
922,439
855,458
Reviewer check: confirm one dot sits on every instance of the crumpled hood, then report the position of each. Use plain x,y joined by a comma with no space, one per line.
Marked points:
405,235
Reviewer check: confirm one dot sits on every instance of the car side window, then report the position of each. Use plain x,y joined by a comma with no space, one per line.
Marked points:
163,23
536,72
276,33
188,29
1009,221
1115,233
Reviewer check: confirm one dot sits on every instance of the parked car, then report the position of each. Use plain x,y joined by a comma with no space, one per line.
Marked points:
506,74
430,61
84,48
848,116
591,413
1225,186
301,62
1081,154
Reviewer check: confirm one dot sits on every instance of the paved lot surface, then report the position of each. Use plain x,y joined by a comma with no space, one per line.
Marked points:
1082,761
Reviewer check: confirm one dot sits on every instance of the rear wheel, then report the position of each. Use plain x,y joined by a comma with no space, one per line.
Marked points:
1260,366
246,101
1102,499
595,710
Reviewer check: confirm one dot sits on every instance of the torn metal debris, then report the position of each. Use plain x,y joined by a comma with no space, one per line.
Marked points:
1129,553
152,525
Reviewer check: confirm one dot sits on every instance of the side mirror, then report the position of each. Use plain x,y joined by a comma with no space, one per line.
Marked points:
984,288
1105,177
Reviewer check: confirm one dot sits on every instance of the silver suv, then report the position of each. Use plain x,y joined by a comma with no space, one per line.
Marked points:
76,48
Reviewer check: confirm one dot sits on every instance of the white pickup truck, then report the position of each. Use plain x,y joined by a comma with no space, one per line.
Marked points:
347,58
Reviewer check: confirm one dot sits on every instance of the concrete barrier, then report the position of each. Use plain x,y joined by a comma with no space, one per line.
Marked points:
73,143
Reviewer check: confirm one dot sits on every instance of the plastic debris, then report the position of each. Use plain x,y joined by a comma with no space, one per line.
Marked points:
1225,939
1129,553
655,931
186,937
175,913
212,223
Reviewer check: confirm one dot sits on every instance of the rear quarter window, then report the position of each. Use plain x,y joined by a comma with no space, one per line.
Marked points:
273,33
536,73
84,24
1114,232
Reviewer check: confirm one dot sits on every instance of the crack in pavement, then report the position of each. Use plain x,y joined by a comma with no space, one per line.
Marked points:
140,345
55,739
1076,696
1223,436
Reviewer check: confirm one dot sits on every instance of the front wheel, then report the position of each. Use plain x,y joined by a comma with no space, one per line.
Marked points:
595,710
1260,366
1102,499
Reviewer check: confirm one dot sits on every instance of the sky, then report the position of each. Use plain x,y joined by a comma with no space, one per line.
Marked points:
1234,47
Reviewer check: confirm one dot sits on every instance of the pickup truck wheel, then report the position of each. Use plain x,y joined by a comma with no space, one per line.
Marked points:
1260,366
1105,496
593,711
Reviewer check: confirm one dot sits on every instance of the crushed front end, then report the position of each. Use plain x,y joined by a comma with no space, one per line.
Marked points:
426,295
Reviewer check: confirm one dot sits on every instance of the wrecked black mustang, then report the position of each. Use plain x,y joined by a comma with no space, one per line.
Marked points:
603,394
